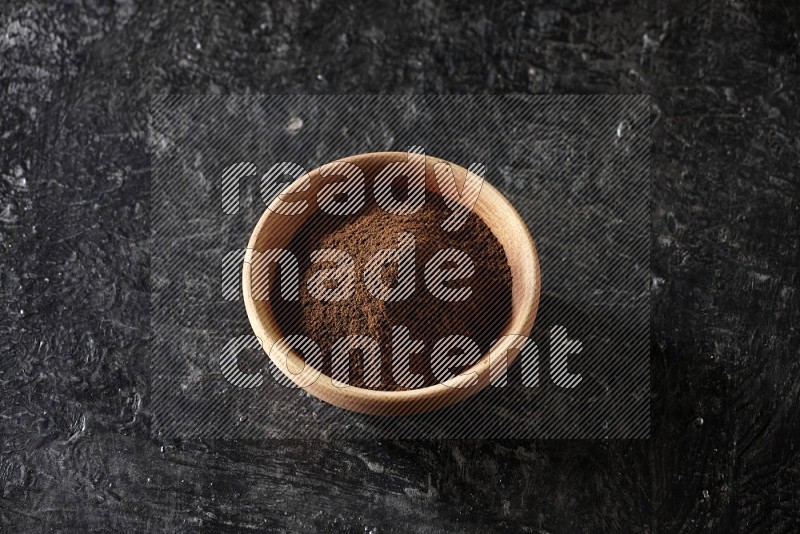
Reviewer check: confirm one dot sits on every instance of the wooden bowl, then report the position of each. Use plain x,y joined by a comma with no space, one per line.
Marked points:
275,230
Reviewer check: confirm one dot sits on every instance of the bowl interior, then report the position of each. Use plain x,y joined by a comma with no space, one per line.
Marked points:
275,231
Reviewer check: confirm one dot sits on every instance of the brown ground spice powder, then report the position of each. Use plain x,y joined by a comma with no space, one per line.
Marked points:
480,317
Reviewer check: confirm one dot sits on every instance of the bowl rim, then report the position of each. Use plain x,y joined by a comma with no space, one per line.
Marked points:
408,401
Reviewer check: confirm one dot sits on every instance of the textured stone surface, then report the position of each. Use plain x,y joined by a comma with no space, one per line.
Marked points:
75,447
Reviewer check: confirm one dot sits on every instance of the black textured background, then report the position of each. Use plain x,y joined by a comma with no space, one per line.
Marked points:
75,446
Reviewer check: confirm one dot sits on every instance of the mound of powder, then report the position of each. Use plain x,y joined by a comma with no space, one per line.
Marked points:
428,318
